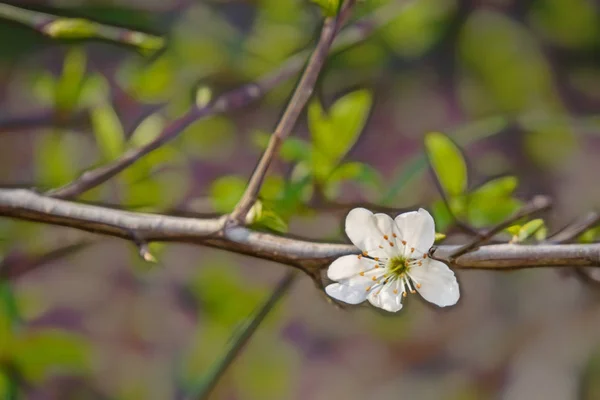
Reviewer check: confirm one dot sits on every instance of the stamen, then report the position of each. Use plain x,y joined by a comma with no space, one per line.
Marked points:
359,256
376,258
369,288
362,273
412,249
418,286
380,246
374,279
394,235
409,286
403,294
404,242
395,291
420,263
365,253
391,244
425,255
376,265
385,237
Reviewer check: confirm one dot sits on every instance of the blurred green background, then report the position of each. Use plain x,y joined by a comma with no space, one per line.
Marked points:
514,84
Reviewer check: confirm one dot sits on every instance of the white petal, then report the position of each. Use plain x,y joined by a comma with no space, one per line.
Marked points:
438,282
348,266
348,294
418,229
363,229
389,300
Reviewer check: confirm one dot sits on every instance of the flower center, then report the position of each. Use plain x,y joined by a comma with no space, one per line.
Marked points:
398,266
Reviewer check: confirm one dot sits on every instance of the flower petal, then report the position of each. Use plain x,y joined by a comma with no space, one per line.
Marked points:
351,294
438,283
363,229
348,266
388,300
417,229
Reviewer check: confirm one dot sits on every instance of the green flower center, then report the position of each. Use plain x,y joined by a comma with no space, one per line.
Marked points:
398,266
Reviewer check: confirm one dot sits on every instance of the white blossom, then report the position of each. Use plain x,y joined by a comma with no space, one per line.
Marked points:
393,263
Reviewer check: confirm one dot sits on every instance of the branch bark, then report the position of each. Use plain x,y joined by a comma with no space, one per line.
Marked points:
297,252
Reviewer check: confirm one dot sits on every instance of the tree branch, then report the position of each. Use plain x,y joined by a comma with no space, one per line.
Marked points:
295,106
79,28
229,101
307,255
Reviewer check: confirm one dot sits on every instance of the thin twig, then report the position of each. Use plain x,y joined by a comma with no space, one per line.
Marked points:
79,28
295,106
537,204
576,228
228,101
243,337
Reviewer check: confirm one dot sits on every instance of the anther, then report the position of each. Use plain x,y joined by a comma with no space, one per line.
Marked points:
420,263
359,256
413,291
404,242
418,286
374,279
376,265
362,273
365,253
369,288
403,294
380,246
425,255
395,291
412,249
386,237
394,235
376,258
391,244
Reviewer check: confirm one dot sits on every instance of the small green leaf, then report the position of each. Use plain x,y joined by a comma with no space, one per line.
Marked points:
329,7
541,233
514,229
108,131
225,192
292,150
529,229
352,171
335,132
589,236
499,187
203,96
147,130
439,236
70,28
69,85
447,162
271,220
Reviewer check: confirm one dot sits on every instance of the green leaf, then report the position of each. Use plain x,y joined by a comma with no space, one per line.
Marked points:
589,236
335,132
447,162
514,229
108,131
500,187
529,229
225,192
69,85
39,354
54,159
439,236
329,7
271,220
147,130
292,149
541,233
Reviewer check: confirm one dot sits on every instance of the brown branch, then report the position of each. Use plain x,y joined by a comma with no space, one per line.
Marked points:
576,228
539,203
228,101
295,106
300,253
79,28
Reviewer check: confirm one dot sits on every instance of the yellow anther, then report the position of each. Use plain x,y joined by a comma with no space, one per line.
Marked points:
420,263
425,255
380,246
391,244
365,253
403,294
413,291
359,256
404,242
386,237
394,235
376,258
374,279
418,286
369,288
395,291
362,273
376,265
412,249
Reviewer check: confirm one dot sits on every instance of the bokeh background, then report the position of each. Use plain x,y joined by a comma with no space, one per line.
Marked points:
515,84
